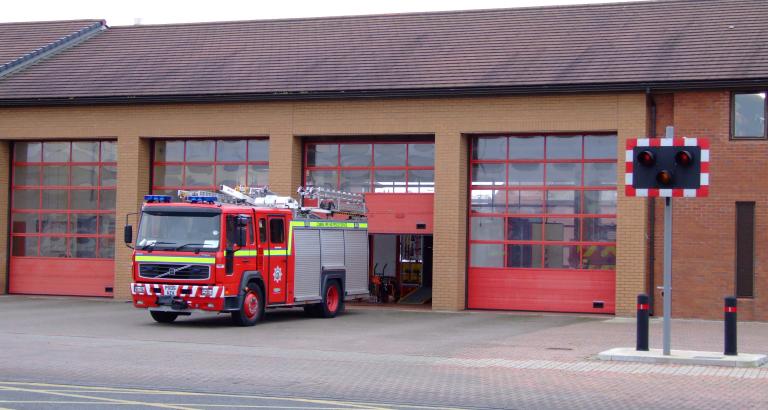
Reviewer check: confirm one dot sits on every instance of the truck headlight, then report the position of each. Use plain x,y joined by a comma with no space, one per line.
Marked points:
206,292
138,289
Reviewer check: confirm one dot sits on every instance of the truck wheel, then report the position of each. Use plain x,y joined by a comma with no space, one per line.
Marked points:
252,309
333,301
163,317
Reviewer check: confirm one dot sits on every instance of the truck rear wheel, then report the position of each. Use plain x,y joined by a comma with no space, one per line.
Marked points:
252,308
333,301
163,317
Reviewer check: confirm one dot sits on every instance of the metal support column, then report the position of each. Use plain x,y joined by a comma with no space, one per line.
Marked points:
667,274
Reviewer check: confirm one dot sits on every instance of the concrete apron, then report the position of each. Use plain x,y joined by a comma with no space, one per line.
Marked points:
689,357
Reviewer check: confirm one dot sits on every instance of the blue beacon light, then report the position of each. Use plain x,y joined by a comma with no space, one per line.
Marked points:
158,198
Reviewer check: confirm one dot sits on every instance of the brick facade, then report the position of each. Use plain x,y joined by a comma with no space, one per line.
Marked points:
451,121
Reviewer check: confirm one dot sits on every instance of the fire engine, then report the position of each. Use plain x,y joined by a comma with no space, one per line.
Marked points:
241,250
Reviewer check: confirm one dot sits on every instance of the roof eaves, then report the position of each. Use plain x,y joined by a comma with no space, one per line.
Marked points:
50,49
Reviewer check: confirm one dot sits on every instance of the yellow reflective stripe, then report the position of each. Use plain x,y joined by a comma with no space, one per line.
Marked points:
246,252
362,225
332,224
179,259
276,252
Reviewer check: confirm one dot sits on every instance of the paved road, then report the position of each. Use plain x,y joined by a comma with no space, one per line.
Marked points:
367,358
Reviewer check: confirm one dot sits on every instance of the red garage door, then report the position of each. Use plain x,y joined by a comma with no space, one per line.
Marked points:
543,223
63,218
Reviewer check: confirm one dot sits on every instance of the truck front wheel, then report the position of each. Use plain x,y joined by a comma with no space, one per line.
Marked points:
163,317
252,307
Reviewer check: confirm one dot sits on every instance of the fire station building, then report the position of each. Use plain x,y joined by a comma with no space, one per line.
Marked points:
489,144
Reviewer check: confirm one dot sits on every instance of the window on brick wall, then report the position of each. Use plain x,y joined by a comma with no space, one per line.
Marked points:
748,115
745,249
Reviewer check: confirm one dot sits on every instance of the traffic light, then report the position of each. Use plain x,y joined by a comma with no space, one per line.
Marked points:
667,167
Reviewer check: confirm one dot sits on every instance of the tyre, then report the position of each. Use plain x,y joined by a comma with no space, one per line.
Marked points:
163,317
252,308
333,300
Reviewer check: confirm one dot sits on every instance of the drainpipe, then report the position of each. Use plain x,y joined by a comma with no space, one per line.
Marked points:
651,213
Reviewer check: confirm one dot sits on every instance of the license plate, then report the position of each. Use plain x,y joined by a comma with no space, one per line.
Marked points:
170,290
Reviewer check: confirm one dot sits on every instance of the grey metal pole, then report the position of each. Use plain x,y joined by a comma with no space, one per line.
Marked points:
670,133
667,274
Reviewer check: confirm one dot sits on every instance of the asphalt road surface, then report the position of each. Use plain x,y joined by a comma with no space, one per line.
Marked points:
88,353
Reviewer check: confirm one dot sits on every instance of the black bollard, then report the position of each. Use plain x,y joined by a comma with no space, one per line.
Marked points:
730,326
642,322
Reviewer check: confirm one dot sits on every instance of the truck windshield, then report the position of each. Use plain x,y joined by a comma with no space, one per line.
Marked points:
183,231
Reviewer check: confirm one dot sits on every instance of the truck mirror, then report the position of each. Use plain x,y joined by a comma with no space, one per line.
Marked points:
128,234
229,261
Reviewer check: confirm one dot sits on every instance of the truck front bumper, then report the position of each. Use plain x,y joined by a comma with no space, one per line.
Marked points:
177,298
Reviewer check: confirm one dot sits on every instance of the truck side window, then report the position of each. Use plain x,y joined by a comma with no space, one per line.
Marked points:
251,233
262,230
230,232
276,231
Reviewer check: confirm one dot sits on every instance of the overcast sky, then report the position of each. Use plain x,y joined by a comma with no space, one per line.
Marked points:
125,12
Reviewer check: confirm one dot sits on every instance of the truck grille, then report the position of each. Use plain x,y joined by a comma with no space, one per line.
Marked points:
177,271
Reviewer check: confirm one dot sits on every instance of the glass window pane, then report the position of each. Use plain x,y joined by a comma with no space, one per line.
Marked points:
82,247
526,174
524,229
525,202
323,155
107,199
562,229
749,115
53,246
167,175
486,255
85,151
389,155
421,155
489,148
488,174
84,198
85,175
600,174
26,199
389,181
53,223
231,150
561,257
108,175
563,202
421,181
24,223
109,151
82,223
199,175
276,231
523,256
230,175
600,202
326,179
526,148
564,174
55,199
107,224
357,155
258,175
488,201
55,175
356,181
564,147
24,175
24,245
600,229
106,248
169,151
487,229
55,152
599,257
258,150
600,146
27,151
200,150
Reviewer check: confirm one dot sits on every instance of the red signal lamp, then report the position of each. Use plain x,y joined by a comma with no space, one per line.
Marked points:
664,178
646,158
684,158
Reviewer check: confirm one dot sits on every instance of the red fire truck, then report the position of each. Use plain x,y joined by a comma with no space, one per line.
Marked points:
242,250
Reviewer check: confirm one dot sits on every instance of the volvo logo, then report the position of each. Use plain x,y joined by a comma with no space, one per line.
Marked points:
172,271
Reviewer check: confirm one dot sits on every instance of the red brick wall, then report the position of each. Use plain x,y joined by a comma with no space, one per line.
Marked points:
704,234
